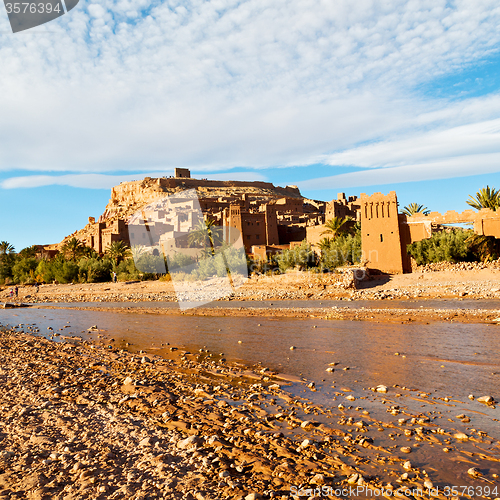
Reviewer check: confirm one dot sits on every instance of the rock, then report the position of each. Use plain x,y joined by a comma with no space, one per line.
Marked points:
428,484
381,388
128,381
318,479
485,399
407,465
147,441
353,479
306,443
145,359
461,436
292,348
189,442
405,449
474,472
307,424
253,496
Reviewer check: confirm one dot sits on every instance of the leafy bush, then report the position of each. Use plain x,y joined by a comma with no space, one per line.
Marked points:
302,256
179,260
126,270
449,245
95,270
24,270
67,272
150,265
345,249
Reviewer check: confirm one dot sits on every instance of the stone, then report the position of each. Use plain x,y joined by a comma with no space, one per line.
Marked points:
405,449
461,436
485,399
381,388
474,472
189,442
128,381
253,496
407,465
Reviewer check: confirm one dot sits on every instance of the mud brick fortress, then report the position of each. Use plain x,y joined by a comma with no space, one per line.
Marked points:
268,218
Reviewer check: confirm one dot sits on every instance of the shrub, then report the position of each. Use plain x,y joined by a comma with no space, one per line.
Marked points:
449,245
95,270
301,256
179,260
345,249
24,270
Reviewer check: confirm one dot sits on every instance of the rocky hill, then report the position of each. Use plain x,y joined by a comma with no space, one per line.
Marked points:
128,197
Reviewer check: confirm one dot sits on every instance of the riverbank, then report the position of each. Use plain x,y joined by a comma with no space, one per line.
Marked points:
82,421
443,280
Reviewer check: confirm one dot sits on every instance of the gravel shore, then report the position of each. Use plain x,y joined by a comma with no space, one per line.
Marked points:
81,421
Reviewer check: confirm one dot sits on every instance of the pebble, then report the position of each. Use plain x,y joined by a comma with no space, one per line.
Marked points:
485,399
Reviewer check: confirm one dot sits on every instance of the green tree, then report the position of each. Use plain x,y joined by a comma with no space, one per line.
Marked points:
7,260
73,249
24,270
485,198
206,234
450,245
338,226
346,249
118,251
302,256
415,208
6,248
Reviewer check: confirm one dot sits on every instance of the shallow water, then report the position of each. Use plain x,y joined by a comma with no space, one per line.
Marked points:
489,304
444,360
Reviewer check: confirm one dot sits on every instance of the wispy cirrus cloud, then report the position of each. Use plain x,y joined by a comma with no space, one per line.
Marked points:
133,85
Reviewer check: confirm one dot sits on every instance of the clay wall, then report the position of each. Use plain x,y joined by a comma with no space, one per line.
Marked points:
380,235
343,207
313,234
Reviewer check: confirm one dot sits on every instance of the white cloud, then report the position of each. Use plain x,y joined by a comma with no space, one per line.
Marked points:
461,166
101,181
129,84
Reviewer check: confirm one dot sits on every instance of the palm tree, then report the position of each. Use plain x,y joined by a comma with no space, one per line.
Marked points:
6,247
485,247
73,248
415,208
118,251
28,252
324,244
205,234
337,226
485,198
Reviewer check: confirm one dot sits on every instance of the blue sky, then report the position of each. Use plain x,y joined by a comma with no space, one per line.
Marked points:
351,95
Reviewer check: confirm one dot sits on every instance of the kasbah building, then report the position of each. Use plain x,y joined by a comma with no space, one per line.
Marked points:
270,219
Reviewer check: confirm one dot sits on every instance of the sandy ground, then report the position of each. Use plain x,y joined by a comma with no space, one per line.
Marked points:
79,421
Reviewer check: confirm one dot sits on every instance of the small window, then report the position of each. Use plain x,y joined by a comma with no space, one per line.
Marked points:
381,238
257,236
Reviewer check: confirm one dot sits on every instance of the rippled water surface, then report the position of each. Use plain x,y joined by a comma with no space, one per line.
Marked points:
443,360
